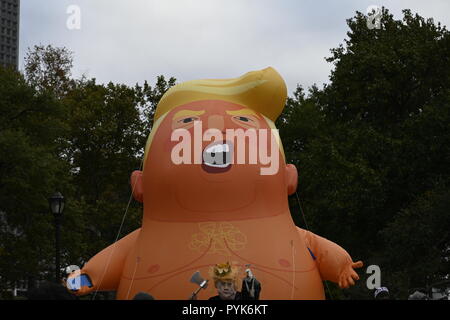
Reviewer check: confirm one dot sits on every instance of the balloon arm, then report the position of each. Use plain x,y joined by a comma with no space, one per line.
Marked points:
137,186
334,263
105,268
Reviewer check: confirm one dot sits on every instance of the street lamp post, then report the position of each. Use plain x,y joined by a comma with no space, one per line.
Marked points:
56,202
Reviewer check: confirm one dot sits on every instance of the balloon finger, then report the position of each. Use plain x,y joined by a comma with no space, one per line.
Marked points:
351,282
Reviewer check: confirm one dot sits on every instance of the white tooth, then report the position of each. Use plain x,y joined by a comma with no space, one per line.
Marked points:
215,148
226,147
219,148
210,149
217,165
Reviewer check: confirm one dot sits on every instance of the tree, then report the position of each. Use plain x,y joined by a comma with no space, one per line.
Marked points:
422,228
383,76
31,123
70,135
149,98
104,141
49,69
108,128
373,142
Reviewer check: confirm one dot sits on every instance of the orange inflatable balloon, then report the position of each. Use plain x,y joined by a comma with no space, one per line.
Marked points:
215,188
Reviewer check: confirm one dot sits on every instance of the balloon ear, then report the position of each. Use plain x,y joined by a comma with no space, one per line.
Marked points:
291,178
137,187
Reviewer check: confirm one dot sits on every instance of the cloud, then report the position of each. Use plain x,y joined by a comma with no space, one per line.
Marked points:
132,41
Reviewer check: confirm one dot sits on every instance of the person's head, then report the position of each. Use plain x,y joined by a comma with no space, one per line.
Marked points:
417,295
143,296
381,293
225,280
226,289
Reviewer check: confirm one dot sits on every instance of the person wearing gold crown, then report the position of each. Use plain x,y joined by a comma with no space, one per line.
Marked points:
203,204
225,281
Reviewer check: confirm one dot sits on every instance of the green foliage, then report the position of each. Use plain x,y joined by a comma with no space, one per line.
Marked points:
74,136
371,148
420,233
383,76
29,168
49,69
149,98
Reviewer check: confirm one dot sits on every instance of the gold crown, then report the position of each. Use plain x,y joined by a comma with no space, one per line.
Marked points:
224,272
223,269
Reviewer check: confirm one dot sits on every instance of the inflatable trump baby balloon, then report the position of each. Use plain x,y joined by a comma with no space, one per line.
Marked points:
214,187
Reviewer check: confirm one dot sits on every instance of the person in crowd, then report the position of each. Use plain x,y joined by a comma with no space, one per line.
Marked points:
251,287
225,280
382,293
143,296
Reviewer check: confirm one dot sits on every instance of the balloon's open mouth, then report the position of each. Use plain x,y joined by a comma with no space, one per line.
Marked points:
217,157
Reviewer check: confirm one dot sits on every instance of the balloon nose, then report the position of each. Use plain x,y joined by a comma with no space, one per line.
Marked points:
216,122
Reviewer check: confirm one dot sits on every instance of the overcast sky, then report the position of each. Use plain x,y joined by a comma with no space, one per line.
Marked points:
129,41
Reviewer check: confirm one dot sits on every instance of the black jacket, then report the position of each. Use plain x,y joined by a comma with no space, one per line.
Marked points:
247,286
238,296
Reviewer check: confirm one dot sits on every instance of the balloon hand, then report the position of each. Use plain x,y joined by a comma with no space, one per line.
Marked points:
79,284
348,275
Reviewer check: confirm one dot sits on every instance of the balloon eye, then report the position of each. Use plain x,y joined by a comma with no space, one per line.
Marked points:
187,120
245,119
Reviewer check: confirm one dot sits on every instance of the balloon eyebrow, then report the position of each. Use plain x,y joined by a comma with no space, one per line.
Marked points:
242,112
184,113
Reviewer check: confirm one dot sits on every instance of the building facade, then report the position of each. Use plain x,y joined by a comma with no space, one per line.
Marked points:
9,32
